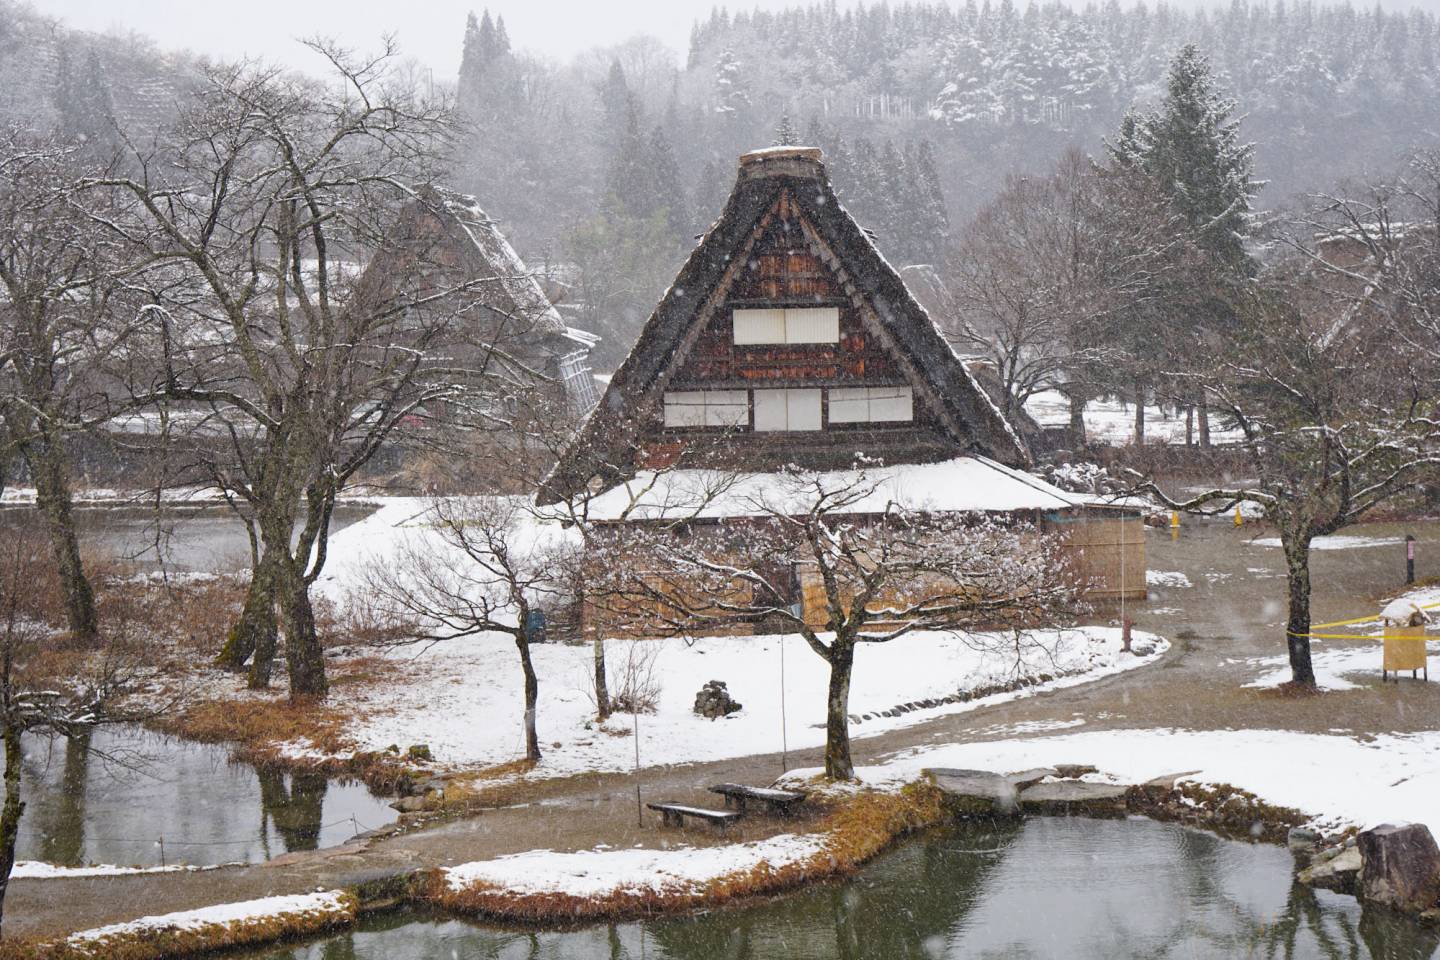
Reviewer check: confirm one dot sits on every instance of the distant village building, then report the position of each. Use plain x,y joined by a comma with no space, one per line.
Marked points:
787,340
510,325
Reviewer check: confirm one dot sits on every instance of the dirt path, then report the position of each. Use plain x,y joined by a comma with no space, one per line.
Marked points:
1230,613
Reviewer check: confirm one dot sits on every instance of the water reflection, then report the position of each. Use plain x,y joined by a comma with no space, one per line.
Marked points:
297,814
1048,888
114,795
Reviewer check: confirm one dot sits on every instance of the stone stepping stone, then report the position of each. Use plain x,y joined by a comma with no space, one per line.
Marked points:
1075,796
977,793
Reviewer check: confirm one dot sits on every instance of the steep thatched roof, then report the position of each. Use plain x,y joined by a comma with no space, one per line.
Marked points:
607,444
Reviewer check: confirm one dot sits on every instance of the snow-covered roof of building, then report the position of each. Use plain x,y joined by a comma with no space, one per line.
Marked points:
608,445
499,256
963,484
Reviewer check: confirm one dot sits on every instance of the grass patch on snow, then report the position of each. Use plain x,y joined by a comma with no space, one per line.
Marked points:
193,932
858,826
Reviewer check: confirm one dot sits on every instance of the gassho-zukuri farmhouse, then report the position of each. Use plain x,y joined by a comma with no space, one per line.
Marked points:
788,341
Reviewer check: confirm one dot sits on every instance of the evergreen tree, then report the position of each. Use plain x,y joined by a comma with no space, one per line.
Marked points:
1192,148
708,199
785,135
617,107
931,220
663,182
82,96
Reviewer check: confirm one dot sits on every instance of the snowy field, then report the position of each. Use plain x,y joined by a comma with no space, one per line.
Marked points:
1338,780
464,698
1112,422
1336,542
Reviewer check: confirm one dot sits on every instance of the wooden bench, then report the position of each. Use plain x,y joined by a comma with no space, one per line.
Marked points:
675,813
737,795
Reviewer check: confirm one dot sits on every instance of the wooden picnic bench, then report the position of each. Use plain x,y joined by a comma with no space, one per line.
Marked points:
674,815
737,795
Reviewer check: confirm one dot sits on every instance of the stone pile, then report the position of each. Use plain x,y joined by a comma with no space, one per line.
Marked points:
714,700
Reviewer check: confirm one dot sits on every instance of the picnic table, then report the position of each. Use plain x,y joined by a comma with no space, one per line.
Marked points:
737,795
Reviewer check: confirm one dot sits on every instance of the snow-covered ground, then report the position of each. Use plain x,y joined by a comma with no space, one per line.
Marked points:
463,698
38,870
594,873
1113,422
1339,664
1338,780
267,909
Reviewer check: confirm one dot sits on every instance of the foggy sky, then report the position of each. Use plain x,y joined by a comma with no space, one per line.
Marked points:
429,30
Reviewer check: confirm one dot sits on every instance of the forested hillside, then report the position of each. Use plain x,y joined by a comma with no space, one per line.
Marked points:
603,169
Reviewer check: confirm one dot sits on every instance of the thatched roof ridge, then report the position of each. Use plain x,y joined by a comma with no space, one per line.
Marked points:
606,445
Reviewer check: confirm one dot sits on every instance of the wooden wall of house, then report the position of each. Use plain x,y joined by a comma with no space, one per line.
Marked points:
1107,551
782,271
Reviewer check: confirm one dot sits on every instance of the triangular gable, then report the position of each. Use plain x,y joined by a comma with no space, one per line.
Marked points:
789,181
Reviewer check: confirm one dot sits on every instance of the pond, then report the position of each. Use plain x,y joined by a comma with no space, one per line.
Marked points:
1071,888
187,539
132,797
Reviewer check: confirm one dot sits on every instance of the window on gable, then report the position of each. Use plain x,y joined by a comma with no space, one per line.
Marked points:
787,325
707,408
871,404
787,410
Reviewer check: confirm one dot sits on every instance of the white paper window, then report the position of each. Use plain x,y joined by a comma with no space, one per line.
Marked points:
812,325
787,410
871,404
759,326
790,325
707,408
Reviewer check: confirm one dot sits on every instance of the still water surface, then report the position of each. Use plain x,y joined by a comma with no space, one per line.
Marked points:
1098,890
114,796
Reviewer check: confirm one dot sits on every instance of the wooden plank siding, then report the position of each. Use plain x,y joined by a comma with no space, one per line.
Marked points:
1106,549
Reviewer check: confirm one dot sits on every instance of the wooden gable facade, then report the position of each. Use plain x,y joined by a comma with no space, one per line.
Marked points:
786,339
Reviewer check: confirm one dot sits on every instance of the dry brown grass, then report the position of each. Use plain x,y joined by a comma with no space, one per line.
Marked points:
158,944
858,828
260,725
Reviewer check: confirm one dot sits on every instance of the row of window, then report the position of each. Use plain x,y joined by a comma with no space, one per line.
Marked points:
787,409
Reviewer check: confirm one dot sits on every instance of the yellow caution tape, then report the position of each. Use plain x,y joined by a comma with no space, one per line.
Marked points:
1349,623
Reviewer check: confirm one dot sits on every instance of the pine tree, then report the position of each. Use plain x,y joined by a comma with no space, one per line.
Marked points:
732,96
663,182
931,230
472,66
708,197
1193,150
82,96
785,135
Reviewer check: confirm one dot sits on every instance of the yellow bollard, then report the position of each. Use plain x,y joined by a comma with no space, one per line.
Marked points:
1238,520
1175,519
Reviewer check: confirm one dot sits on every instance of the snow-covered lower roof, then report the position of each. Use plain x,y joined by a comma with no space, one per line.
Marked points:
959,485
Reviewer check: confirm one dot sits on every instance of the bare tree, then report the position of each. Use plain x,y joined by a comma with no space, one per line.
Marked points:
863,567
60,274
1335,420
494,568
41,692
1053,281
278,363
